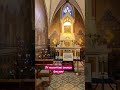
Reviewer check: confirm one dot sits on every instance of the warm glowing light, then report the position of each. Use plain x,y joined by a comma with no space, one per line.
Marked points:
67,24
54,41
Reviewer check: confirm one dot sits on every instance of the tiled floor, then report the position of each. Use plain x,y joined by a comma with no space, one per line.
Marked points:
67,81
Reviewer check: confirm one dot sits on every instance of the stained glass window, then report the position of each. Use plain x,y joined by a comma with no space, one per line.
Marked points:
67,8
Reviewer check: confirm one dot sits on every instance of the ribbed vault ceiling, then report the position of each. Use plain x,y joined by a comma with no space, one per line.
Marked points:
52,6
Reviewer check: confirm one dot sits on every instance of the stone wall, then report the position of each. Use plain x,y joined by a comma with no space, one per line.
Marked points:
41,25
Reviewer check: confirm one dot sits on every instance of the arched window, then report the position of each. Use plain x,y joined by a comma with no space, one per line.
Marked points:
67,8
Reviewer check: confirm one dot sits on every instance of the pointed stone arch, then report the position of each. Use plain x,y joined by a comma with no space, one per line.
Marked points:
72,2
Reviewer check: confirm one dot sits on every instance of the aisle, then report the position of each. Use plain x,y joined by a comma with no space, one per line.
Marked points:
67,81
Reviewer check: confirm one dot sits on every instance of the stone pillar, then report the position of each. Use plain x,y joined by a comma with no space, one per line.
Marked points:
11,35
90,22
97,66
2,34
75,53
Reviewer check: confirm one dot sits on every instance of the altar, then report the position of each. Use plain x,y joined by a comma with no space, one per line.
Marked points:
68,48
67,54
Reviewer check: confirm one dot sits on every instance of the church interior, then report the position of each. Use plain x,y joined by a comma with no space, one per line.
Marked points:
59,45
80,33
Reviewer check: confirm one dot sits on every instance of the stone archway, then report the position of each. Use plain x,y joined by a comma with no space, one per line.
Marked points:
52,7
78,27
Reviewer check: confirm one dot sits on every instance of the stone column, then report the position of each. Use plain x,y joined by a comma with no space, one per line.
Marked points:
90,22
2,35
75,54
97,67
11,35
